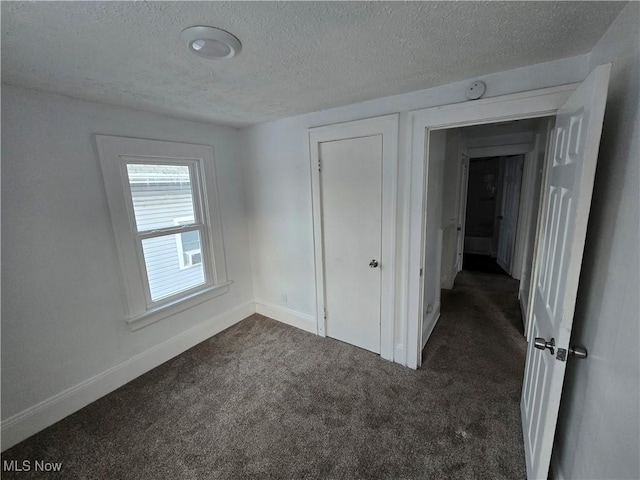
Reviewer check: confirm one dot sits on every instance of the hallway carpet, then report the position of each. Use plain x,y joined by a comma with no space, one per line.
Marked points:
265,400
482,263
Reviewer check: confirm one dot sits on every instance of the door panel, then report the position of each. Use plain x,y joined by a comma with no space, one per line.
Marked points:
566,199
351,191
512,180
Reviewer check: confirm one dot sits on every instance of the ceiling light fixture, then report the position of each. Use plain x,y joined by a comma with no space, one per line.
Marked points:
210,42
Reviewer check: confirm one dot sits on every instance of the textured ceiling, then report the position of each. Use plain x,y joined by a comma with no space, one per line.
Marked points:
296,57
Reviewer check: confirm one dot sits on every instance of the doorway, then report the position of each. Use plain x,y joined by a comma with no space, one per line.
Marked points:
354,168
569,170
490,195
493,198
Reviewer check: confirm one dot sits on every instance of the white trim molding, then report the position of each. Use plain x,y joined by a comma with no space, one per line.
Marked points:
429,324
38,417
399,355
387,126
287,316
500,150
530,104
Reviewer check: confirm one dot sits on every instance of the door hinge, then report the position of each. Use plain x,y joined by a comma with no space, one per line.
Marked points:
325,313
319,168
420,272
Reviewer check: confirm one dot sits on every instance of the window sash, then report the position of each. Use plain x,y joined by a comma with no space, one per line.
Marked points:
199,201
196,174
206,263
159,232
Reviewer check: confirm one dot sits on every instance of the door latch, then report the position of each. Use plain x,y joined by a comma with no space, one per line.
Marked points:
541,344
576,352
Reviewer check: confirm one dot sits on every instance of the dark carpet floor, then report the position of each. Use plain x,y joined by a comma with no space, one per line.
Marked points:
265,400
482,263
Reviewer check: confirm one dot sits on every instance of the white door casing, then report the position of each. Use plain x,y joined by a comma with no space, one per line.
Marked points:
351,201
385,129
509,208
462,208
566,199
431,226
523,231
530,104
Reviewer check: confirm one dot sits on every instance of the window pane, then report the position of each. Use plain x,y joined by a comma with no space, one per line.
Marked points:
161,194
190,241
173,264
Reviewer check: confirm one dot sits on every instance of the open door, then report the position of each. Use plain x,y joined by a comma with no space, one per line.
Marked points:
566,199
462,209
431,224
511,168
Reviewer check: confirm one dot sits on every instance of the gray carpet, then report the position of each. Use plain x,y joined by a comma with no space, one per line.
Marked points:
265,400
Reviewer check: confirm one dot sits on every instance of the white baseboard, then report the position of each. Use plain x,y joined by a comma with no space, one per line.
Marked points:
448,285
446,282
399,354
38,417
430,324
290,317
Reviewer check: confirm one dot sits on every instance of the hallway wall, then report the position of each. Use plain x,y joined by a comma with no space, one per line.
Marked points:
598,433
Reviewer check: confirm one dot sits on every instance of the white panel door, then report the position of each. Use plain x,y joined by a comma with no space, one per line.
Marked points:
462,209
511,182
566,199
351,196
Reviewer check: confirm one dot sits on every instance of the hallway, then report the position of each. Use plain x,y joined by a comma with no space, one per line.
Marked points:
479,342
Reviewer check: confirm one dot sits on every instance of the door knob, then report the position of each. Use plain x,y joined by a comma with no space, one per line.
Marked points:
541,344
373,263
578,352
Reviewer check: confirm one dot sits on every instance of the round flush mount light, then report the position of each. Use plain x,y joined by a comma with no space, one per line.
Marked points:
210,42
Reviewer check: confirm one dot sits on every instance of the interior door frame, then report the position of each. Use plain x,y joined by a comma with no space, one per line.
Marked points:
387,126
463,190
529,104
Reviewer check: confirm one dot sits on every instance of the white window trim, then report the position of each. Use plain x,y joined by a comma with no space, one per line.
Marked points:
114,152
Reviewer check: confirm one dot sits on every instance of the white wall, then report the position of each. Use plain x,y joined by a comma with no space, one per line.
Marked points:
598,434
63,303
277,175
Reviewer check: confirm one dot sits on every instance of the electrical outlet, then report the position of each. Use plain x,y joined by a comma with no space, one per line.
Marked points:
284,297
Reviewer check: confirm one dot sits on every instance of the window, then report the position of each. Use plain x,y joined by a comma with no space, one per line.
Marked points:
163,205
188,245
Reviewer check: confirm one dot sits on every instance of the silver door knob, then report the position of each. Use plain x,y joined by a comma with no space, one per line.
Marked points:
541,344
373,263
578,352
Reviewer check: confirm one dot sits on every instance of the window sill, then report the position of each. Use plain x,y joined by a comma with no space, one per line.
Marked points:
158,313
